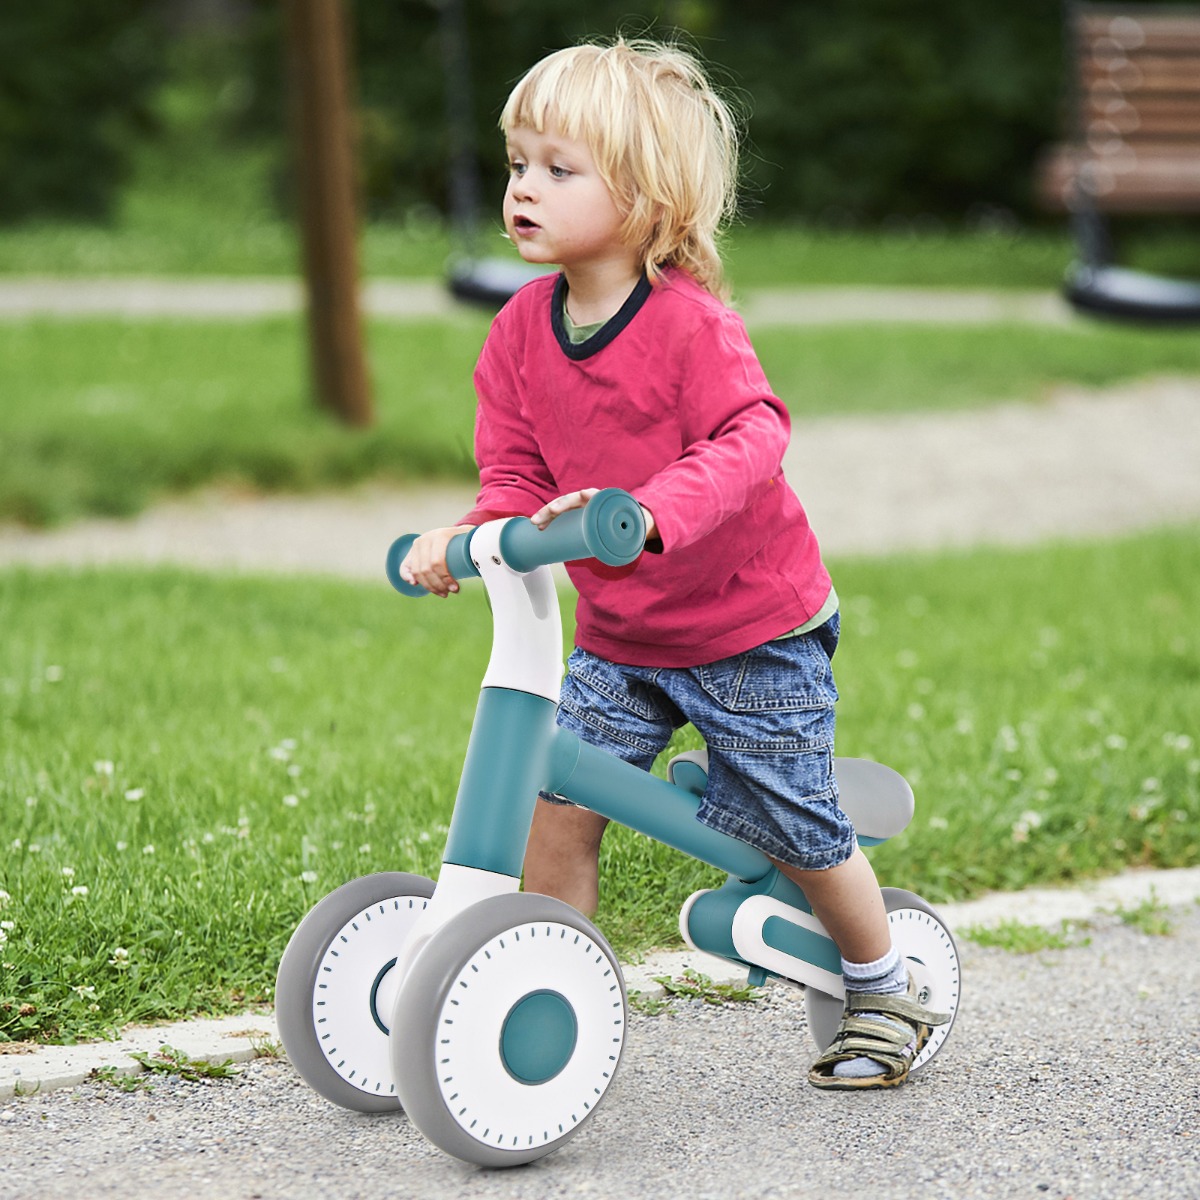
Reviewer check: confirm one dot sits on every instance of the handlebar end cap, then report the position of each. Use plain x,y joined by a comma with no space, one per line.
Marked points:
397,552
614,527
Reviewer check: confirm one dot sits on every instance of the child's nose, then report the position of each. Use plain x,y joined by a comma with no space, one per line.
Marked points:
521,188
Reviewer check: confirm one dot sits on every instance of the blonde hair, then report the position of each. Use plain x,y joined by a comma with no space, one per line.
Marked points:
665,143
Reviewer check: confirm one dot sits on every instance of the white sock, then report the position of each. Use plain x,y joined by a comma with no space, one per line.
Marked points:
886,976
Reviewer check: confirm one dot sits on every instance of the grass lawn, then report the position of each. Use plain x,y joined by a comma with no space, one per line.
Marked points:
190,762
101,416
169,234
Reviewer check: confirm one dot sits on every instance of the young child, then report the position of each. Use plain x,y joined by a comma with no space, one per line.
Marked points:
627,370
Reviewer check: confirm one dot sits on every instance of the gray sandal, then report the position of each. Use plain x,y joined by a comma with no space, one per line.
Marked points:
893,1042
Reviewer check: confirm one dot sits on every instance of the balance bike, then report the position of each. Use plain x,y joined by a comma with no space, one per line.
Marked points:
496,1018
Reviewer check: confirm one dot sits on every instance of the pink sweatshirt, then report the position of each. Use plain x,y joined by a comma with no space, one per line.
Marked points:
668,401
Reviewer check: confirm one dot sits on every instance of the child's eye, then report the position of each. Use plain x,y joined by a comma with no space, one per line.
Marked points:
557,172
516,168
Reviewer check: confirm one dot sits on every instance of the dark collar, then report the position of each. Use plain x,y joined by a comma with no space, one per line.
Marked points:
607,332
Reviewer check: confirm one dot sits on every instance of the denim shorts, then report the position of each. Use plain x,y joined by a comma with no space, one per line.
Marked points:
767,717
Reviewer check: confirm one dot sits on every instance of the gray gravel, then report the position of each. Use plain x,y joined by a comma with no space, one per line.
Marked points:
1072,1073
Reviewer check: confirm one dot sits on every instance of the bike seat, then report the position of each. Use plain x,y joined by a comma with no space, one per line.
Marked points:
877,799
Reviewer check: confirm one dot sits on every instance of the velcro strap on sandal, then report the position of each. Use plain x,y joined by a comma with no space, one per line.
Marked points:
894,1006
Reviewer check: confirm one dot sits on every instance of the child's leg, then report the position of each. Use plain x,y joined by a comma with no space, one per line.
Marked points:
883,1029
562,858
848,902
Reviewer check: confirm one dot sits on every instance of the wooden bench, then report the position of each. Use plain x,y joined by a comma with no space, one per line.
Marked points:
1134,145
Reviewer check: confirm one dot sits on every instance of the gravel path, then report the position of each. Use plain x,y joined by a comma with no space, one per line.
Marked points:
1081,464
1072,1074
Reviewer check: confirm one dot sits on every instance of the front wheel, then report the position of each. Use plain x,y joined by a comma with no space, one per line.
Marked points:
928,950
508,1030
337,982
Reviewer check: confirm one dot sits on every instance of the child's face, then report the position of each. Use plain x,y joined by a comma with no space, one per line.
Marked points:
557,208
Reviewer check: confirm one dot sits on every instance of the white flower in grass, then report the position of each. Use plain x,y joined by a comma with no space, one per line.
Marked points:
102,766
1115,741
7,926
938,823
120,959
291,801
280,753
148,849
54,674
1025,824
84,989
67,872
1177,741
135,794
3,936
122,847
308,877
365,848
5,898
81,890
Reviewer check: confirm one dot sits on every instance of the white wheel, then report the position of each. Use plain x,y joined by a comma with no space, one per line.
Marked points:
336,987
928,949
508,1030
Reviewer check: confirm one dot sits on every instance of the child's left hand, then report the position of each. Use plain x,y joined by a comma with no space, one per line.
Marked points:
579,499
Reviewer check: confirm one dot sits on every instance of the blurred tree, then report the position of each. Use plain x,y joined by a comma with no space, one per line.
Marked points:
884,107
75,80
857,111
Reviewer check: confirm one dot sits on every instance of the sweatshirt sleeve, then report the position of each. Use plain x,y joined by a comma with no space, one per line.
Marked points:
734,431
513,477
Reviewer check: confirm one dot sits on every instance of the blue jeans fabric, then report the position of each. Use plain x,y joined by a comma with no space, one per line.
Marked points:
767,717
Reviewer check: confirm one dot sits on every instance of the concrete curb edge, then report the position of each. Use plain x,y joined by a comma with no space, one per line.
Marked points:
243,1037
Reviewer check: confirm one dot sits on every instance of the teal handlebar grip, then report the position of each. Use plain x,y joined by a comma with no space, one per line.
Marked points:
610,527
458,559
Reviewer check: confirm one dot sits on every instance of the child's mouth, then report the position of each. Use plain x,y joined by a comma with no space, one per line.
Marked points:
525,225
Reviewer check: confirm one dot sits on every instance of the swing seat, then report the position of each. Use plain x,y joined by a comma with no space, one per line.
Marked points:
1132,295
1133,150
490,282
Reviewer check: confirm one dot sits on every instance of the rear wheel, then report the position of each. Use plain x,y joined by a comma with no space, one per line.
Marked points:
337,984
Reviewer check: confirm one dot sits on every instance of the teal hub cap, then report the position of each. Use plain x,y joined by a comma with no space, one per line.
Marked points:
538,1037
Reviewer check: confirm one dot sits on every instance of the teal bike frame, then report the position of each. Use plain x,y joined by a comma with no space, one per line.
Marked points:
517,750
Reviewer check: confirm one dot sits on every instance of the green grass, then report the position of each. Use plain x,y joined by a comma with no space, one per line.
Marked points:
1017,937
102,416
184,234
187,763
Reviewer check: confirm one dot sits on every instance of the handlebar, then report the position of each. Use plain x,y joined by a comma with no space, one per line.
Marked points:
610,527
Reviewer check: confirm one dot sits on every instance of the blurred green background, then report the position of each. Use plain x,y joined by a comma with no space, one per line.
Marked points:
188,761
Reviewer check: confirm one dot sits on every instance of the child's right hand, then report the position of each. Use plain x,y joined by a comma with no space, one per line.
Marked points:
425,563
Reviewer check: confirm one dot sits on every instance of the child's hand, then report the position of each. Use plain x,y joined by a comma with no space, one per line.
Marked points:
579,499
563,504
425,563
